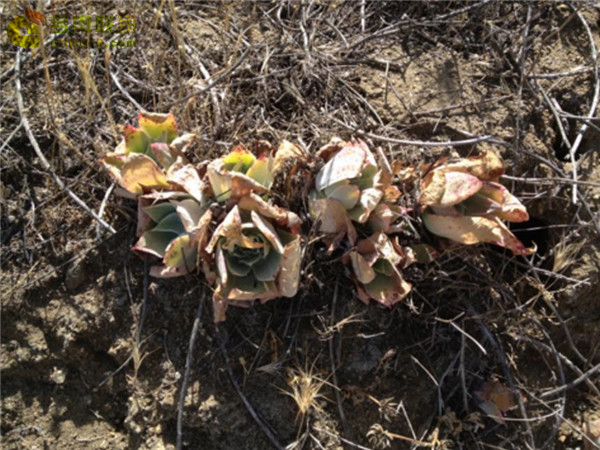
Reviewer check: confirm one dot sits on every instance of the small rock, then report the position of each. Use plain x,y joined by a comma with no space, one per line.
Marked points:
58,376
75,275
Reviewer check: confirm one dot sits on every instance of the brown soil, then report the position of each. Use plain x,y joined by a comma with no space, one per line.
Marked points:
307,71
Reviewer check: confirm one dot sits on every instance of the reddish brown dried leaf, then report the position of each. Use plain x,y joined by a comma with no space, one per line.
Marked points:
34,17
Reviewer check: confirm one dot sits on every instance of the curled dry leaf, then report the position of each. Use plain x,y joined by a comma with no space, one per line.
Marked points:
256,250
495,399
464,203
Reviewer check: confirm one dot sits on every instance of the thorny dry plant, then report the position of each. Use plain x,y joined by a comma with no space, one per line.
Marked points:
307,390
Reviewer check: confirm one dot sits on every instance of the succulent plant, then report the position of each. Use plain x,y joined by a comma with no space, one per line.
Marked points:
257,253
239,173
174,227
151,157
352,187
465,203
376,263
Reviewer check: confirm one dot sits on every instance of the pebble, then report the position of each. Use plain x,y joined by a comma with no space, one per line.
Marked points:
75,275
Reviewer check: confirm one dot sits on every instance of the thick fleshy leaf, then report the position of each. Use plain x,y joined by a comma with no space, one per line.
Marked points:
249,288
289,273
231,227
171,223
154,242
369,198
362,269
345,165
495,399
458,187
242,185
366,180
143,219
478,205
387,290
199,239
268,231
266,269
239,160
162,153
182,143
226,184
187,177
346,194
163,201
139,172
136,141
421,253
222,266
381,218
262,171
471,230
158,127
385,248
511,208
190,212
449,188
181,255
487,166
283,217
159,211
331,214
384,267
236,266
385,174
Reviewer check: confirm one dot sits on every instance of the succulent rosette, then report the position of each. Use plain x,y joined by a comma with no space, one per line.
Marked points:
173,226
151,157
239,173
352,188
257,254
465,203
376,262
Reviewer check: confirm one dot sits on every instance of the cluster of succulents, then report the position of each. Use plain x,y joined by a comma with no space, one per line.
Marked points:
465,203
222,219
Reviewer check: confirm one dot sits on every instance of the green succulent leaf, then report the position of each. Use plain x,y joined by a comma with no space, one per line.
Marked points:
136,140
387,290
239,160
346,194
155,242
236,265
171,223
158,127
262,172
181,254
267,268
159,211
